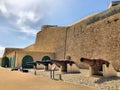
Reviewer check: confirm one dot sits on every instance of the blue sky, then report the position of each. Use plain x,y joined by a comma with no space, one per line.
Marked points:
20,20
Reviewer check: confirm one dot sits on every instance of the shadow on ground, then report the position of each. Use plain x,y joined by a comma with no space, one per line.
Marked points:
106,79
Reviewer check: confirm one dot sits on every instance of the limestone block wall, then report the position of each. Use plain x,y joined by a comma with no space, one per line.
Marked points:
29,48
9,50
11,54
60,51
51,39
98,40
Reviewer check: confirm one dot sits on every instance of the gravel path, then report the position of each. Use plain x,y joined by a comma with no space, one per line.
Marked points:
112,83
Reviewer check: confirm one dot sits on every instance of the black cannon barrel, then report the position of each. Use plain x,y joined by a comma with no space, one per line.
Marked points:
44,62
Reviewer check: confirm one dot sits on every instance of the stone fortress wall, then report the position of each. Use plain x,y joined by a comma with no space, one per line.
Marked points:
96,36
51,39
98,40
95,39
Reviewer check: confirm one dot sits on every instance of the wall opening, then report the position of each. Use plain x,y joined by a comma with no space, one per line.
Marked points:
5,62
45,58
26,59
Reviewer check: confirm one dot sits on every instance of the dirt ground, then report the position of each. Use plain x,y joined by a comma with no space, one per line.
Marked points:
16,80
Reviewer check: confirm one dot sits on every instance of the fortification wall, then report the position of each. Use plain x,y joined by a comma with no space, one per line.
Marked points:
51,39
97,40
11,54
29,48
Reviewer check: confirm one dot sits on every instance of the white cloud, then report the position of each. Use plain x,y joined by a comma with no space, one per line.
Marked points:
25,16
28,31
3,8
1,50
23,13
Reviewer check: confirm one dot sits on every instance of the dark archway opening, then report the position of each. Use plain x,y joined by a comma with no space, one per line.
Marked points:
5,62
26,59
46,58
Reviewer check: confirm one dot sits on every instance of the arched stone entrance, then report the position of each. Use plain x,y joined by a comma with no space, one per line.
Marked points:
26,59
45,58
5,62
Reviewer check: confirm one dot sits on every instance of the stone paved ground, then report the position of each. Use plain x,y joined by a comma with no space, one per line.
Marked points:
112,83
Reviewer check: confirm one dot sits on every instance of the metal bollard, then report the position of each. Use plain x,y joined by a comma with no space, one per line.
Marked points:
60,77
35,73
51,74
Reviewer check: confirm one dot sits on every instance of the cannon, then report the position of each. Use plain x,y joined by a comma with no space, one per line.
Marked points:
66,66
33,64
45,63
95,63
99,67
